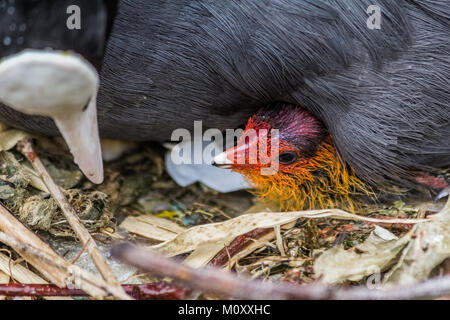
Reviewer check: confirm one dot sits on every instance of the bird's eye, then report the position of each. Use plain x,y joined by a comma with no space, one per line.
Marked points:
288,157
87,104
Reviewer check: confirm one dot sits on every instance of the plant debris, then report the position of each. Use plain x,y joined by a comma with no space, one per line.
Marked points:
397,243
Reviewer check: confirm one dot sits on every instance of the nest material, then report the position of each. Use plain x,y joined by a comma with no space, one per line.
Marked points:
37,209
140,175
26,196
92,208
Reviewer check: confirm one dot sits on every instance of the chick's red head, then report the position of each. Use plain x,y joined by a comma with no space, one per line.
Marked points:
288,156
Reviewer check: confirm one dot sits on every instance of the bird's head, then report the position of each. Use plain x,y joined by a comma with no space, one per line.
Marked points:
63,86
289,157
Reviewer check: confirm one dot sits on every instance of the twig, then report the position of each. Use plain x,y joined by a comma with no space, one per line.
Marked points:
12,227
81,252
226,284
26,148
198,204
73,274
154,291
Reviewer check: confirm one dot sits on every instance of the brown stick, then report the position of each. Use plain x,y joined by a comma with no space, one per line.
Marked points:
226,284
26,148
12,227
73,274
154,291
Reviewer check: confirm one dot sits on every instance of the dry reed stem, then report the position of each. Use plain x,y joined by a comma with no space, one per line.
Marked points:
26,148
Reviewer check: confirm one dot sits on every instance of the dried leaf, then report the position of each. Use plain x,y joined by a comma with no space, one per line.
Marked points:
10,137
384,234
4,278
18,272
255,245
196,236
429,247
35,179
152,227
338,265
201,256
204,253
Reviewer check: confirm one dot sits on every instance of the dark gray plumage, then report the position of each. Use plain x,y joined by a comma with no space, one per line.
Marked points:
41,24
382,94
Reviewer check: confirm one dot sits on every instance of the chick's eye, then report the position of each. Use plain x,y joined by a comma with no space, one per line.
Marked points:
288,157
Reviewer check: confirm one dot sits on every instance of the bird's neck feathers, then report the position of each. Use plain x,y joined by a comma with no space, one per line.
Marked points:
321,182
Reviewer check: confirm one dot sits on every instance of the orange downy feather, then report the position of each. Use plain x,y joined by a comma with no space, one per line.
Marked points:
319,182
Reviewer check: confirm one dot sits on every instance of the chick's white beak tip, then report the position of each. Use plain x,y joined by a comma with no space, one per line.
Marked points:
222,159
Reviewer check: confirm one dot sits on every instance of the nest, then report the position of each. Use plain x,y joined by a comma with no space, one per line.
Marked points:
140,197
